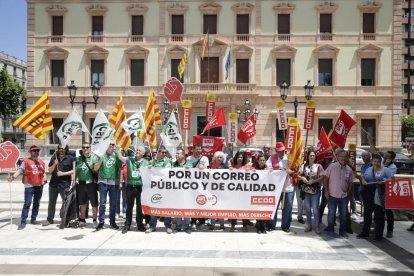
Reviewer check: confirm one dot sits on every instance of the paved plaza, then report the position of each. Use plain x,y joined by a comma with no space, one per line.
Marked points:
49,250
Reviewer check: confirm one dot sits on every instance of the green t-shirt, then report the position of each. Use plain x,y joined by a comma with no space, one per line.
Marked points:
110,167
133,172
186,164
163,163
82,170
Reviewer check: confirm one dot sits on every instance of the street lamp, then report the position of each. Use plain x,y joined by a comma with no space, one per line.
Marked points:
72,96
247,112
284,87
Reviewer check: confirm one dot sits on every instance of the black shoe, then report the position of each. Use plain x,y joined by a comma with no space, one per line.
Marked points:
222,227
125,229
21,226
245,229
349,231
100,226
232,229
287,230
264,232
362,236
141,228
211,227
47,223
114,226
249,223
301,221
258,231
34,222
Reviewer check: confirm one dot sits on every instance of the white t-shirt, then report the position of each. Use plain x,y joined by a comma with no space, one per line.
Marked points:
203,161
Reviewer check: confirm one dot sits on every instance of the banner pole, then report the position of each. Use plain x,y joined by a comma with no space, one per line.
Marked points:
306,139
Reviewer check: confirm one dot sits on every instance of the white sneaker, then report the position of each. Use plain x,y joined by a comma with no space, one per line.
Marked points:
82,224
149,230
147,226
354,216
169,231
95,223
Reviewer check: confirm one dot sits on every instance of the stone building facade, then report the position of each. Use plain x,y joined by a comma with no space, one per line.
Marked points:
349,49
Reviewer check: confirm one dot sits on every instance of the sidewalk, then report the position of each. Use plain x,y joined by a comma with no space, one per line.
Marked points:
48,250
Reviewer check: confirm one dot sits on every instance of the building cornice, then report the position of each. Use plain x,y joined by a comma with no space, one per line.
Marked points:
56,10
284,8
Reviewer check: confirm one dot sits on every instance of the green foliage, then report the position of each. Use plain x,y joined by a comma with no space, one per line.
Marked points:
12,95
407,126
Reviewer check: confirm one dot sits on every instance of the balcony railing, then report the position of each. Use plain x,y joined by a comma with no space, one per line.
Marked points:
96,38
232,88
136,38
367,36
177,38
283,37
325,36
56,39
242,37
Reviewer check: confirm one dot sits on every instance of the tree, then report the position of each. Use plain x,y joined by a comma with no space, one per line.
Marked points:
407,126
12,96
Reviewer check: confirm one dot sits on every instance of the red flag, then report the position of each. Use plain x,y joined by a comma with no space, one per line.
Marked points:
399,194
342,127
209,144
323,145
248,130
217,120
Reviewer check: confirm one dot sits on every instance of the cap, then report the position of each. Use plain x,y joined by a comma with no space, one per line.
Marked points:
34,148
280,146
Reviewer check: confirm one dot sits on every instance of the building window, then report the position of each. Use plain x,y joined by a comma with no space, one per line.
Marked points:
242,71
57,25
327,124
325,23
368,23
137,25
212,75
283,23
368,72
137,72
24,74
280,134
210,23
174,69
98,72
282,71
177,24
58,72
368,132
97,25
57,123
201,124
242,24
325,72
14,72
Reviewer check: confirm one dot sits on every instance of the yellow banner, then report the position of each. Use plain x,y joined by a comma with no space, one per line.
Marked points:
211,98
280,104
186,103
311,104
233,116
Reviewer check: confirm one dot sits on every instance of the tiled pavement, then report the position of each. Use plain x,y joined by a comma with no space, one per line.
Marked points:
51,251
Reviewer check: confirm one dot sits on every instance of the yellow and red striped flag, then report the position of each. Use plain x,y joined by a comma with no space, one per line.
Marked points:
37,120
294,143
205,45
152,118
181,66
115,121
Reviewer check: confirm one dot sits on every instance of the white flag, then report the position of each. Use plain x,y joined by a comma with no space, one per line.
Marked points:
70,126
170,135
135,123
102,133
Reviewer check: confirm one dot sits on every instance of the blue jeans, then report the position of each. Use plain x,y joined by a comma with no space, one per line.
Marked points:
312,207
34,192
342,205
220,221
180,221
121,195
153,222
286,211
113,195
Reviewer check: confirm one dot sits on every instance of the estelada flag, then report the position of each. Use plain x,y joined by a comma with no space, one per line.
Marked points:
248,130
342,127
37,120
323,145
295,154
115,121
399,194
217,120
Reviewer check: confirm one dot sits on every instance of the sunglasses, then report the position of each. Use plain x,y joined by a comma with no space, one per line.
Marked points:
35,151
112,145
85,147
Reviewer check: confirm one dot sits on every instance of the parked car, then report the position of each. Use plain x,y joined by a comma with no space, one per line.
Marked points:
405,165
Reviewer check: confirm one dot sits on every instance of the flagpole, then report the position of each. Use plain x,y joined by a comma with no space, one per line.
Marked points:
208,65
306,138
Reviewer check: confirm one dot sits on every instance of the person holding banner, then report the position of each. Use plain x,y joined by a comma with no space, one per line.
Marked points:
374,179
260,165
87,190
389,157
108,167
217,163
160,161
180,162
33,170
338,185
134,187
311,176
62,164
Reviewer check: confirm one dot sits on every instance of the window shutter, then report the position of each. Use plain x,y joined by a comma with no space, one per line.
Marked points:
57,28
325,23
283,23
177,24
368,26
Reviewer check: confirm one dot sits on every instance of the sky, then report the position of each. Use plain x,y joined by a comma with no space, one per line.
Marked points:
13,28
